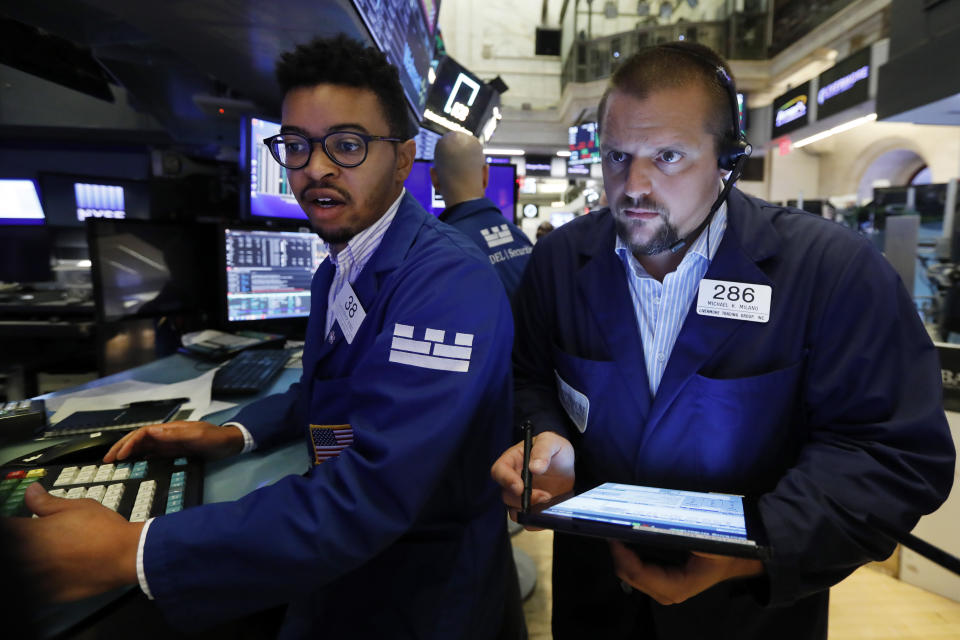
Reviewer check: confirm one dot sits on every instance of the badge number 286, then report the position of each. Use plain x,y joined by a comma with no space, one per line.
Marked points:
734,300
733,293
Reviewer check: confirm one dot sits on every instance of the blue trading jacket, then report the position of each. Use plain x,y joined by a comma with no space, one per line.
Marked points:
503,243
829,411
402,535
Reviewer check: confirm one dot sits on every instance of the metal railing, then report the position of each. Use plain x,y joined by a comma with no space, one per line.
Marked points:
741,36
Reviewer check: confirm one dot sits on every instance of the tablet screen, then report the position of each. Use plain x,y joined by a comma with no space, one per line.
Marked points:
716,516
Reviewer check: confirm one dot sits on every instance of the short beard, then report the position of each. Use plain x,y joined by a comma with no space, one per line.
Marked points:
335,236
665,237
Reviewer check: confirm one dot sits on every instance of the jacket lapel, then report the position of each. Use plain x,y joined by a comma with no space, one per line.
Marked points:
603,285
316,325
748,239
393,248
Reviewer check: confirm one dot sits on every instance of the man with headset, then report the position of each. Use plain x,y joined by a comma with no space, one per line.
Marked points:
821,397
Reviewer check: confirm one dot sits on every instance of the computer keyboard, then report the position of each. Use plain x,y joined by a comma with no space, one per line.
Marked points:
137,490
249,371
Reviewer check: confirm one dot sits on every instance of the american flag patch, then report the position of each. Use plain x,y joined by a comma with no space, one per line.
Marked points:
496,236
432,352
329,440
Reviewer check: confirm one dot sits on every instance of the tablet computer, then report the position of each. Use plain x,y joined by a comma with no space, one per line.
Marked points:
657,518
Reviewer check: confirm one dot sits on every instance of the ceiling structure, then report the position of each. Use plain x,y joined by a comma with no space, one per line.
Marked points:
179,60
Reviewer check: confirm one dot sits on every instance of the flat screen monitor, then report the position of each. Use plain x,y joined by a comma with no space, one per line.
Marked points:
501,188
584,143
70,199
426,143
20,202
25,253
267,274
148,269
270,194
458,99
404,31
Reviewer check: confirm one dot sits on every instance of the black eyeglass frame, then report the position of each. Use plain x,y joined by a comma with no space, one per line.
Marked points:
367,139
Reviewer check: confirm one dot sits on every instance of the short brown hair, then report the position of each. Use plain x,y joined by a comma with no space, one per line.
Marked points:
673,65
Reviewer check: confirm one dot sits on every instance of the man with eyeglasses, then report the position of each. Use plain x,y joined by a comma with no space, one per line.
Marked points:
405,400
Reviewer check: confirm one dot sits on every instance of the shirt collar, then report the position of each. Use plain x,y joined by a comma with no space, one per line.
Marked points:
365,242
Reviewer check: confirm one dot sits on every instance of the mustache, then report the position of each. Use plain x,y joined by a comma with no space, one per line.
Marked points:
324,185
648,204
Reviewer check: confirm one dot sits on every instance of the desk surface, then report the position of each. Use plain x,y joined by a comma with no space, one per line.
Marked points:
224,480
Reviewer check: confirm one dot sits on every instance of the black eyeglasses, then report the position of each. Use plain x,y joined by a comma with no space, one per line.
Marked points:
346,148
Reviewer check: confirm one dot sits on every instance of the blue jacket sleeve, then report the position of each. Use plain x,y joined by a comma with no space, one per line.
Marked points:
878,441
412,428
536,391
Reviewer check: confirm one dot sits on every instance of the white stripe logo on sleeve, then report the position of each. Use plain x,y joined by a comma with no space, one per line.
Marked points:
496,236
432,352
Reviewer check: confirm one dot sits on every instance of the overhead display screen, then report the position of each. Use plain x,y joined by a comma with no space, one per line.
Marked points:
844,85
584,143
458,98
791,110
403,31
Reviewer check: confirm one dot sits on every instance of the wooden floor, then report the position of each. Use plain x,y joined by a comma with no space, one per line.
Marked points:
870,604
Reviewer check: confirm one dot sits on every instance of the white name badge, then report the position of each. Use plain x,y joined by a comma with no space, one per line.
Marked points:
349,312
574,403
734,300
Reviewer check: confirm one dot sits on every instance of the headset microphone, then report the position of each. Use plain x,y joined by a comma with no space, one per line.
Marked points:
734,150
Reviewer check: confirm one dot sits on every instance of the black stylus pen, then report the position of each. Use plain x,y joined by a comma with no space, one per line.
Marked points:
527,429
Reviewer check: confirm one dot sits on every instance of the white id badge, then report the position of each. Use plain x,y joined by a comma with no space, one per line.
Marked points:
574,403
348,311
734,300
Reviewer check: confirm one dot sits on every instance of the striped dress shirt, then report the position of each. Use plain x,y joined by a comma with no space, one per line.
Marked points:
661,308
350,261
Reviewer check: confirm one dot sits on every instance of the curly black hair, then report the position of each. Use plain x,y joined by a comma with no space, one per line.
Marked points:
342,61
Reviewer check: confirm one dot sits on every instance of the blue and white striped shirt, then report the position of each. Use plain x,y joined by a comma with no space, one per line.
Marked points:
350,261
661,308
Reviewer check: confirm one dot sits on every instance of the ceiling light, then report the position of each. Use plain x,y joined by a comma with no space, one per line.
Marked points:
846,126
563,154
493,151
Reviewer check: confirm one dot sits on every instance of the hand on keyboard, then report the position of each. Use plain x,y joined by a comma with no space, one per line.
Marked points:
173,439
75,548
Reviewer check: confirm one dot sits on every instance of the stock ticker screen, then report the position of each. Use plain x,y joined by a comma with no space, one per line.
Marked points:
584,143
404,32
268,273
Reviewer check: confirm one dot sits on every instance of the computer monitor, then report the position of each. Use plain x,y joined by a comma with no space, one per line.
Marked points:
583,142
25,253
404,32
150,269
269,195
267,273
69,199
501,188
20,202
